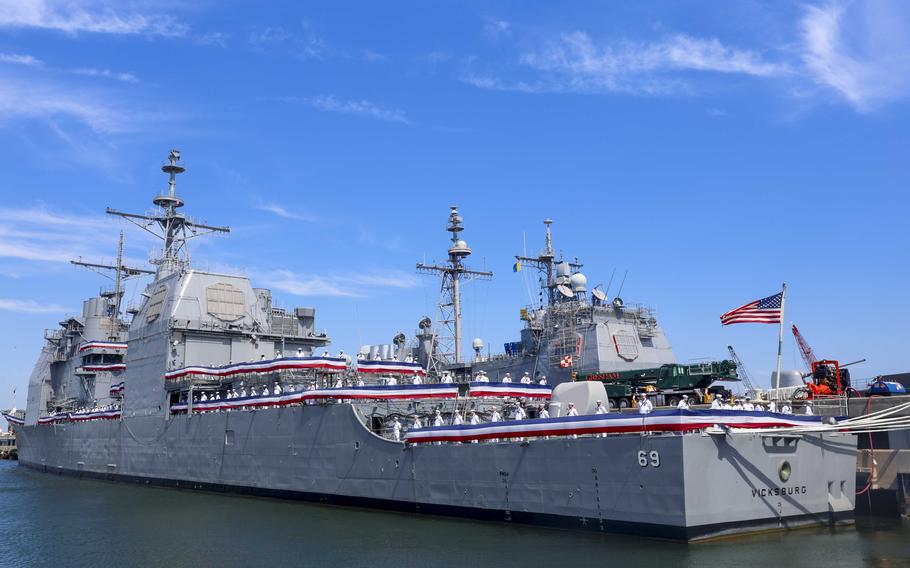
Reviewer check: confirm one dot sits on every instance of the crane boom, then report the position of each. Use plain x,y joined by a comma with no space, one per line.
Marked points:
808,355
741,370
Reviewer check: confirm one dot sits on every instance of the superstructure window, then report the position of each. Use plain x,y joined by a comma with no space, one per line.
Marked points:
225,301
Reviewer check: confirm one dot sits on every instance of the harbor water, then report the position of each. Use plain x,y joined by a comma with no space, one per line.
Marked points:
50,520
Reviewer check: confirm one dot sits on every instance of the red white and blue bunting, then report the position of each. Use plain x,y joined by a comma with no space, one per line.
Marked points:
510,389
102,367
384,392
112,414
102,345
390,367
117,389
658,421
13,419
330,364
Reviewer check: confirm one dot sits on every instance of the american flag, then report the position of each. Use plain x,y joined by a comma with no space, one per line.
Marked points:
766,310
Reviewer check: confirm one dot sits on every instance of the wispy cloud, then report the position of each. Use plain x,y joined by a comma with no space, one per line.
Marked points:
39,234
574,62
29,306
304,42
330,103
861,50
35,99
282,211
90,16
20,59
340,285
219,39
106,74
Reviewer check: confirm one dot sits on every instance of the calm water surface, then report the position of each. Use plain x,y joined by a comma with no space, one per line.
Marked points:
55,521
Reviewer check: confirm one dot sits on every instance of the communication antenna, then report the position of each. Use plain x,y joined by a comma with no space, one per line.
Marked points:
452,272
623,283
545,263
565,291
173,228
598,294
610,283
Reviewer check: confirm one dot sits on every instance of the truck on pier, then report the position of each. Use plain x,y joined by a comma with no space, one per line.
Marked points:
664,385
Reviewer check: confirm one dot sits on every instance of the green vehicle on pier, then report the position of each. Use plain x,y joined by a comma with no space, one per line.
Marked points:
665,385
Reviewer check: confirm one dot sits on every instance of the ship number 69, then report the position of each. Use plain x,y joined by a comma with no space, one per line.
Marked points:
645,458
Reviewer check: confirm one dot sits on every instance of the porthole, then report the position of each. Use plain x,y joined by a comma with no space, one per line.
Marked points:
784,471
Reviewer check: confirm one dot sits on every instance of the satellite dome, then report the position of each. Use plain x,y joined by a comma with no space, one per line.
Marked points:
563,269
460,248
578,282
477,343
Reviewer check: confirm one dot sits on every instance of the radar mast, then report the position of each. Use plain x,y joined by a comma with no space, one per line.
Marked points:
447,347
173,228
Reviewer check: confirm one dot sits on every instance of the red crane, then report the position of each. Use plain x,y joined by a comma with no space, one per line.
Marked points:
809,357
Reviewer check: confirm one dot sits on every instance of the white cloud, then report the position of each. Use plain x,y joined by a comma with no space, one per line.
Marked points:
330,103
861,50
32,99
106,74
20,59
29,306
86,16
340,285
282,211
574,62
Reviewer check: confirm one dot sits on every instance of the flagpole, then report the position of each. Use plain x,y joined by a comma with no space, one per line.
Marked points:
780,340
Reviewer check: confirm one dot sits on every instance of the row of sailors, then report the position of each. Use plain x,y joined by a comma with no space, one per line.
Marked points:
473,418
104,408
481,377
645,405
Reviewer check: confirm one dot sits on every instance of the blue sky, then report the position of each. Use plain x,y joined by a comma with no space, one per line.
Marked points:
711,149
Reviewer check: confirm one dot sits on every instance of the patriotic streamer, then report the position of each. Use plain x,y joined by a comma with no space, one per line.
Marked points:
397,367
53,419
659,421
102,345
387,392
510,389
12,419
117,389
268,366
113,414
111,367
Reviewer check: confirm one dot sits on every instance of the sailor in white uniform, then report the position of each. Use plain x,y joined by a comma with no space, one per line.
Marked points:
457,420
446,378
417,380
391,381
645,406
277,389
408,359
265,391
542,412
519,413
242,392
526,379
496,416
417,425
772,406
683,403
474,418
748,405
359,382
786,408
483,377
507,378
808,410
599,408
737,404
437,420
717,403
339,383
571,411
543,380
299,352
396,429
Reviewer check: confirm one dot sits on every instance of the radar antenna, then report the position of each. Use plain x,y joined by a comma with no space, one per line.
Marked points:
545,263
447,348
175,228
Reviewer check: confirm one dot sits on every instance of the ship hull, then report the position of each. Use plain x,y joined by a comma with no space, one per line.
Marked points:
691,487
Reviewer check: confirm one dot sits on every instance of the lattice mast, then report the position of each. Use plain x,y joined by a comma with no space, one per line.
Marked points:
545,263
173,228
121,273
448,340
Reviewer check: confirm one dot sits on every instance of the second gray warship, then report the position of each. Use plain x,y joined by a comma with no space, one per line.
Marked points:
207,385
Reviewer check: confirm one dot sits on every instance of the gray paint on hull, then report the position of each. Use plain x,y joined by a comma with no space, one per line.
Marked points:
704,485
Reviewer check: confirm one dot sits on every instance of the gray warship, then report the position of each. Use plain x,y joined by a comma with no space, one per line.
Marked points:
208,385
